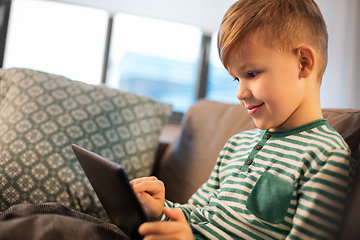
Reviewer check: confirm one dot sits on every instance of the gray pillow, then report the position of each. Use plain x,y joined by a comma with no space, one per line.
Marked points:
42,114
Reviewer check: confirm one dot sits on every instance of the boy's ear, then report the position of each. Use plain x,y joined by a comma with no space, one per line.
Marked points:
307,61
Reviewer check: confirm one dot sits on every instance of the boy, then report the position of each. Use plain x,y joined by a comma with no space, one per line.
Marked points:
290,177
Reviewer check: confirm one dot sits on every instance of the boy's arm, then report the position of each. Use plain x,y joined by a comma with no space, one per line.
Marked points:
201,197
178,228
198,199
323,194
179,214
151,193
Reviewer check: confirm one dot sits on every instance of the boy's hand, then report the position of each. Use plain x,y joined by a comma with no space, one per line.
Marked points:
151,193
178,228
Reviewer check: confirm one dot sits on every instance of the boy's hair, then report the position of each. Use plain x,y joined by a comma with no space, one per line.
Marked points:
284,23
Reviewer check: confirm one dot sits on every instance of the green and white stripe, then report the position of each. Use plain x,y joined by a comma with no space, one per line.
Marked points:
295,187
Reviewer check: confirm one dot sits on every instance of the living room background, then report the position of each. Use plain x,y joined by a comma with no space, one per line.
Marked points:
166,58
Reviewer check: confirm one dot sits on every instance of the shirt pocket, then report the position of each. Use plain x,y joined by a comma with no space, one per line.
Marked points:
270,198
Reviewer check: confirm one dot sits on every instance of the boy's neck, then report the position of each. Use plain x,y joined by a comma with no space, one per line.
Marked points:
309,111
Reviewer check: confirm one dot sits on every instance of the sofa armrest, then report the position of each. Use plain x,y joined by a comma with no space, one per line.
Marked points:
168,134
158,156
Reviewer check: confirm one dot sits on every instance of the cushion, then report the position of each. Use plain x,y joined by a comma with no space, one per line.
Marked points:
42,114
0,90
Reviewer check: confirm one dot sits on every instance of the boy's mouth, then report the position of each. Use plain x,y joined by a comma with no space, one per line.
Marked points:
253,108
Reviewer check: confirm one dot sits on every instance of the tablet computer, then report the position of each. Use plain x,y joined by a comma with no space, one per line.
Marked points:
114,191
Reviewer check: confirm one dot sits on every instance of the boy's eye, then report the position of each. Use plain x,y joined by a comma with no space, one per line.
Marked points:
251,74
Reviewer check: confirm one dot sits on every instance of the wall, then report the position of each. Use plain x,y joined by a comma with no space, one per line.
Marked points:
341,82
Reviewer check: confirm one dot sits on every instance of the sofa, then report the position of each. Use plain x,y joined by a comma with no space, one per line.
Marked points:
41,114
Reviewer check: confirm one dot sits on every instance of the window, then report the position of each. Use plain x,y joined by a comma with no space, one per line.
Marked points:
155,58
220,86
149,57
58,38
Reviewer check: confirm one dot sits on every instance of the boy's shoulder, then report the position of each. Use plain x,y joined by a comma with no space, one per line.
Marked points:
322,133
316,132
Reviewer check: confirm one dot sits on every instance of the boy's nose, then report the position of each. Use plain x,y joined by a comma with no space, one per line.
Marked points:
243,92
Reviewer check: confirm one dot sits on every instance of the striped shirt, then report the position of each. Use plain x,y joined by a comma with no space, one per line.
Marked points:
274,185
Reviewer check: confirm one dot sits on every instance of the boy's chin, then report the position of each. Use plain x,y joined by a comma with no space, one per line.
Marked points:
259,124
262,125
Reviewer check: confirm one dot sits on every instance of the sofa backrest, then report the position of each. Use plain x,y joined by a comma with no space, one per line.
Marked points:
347,123
189,160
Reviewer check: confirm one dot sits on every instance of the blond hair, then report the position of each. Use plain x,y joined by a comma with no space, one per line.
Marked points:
284,23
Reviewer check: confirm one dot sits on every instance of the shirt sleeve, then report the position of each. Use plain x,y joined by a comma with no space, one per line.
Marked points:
201,197
322,194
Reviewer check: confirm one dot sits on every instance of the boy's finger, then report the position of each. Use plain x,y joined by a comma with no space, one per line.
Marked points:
159,228
175,214
151,187
145,199
143,179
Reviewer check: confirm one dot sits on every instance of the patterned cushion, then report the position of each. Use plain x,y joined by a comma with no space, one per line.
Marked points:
0,89
43,114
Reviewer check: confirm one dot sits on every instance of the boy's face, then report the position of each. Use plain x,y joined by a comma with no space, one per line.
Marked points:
270,86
